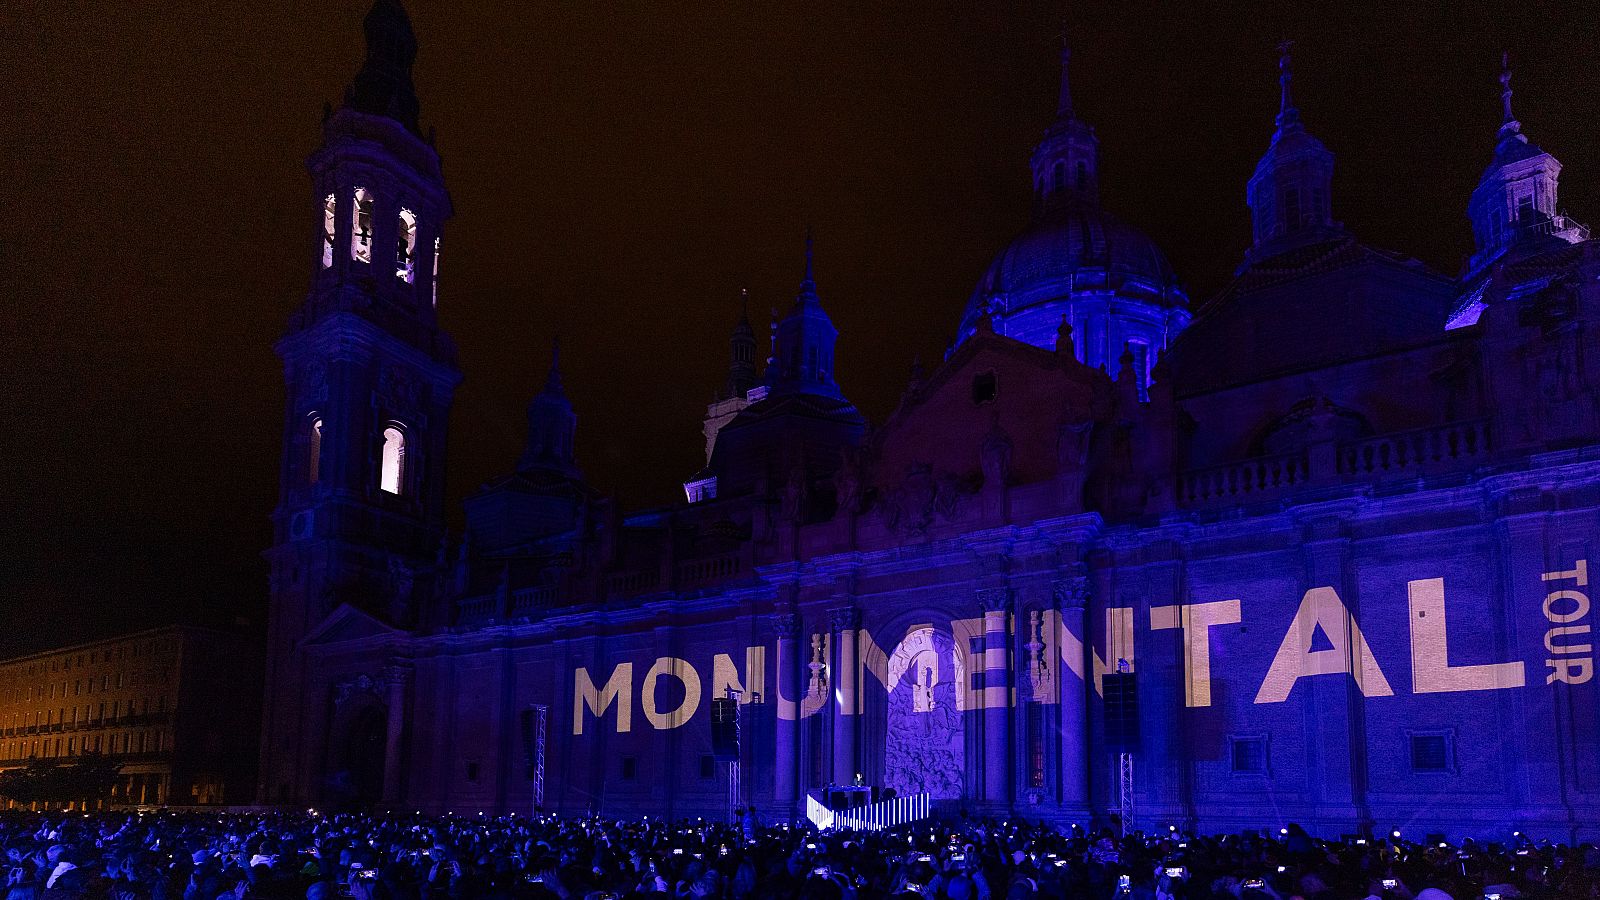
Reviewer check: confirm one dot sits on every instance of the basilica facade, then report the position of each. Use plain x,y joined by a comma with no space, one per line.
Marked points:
1335,520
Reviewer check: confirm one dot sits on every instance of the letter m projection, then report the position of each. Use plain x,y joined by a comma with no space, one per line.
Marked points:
618,689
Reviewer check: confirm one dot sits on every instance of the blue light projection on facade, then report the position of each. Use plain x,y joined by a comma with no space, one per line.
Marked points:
1345,551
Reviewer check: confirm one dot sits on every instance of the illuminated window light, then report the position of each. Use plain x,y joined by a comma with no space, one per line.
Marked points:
361,227
405,247
314,452
392,474
328,207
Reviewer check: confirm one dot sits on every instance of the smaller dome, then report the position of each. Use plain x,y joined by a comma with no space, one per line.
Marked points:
1074,248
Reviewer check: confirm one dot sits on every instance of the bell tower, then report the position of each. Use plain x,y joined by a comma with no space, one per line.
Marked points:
1515,202
369,377
1289,193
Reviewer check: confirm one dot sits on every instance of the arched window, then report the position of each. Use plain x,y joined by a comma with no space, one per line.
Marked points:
314,452
405,247
328,205
1083,175
1292,217
361,227
392,475
1060,177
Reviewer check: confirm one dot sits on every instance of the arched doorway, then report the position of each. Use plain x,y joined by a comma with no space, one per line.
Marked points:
924,739
356,758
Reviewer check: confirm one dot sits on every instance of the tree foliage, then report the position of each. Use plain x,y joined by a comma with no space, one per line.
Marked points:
88,777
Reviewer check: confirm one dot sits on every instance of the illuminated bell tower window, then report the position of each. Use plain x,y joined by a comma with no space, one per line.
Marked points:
405,247
391,476
361,227
314,452
328,207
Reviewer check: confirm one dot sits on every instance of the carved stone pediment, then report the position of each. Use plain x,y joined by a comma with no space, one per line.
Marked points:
347,624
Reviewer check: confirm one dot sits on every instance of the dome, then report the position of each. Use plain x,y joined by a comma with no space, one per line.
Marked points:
1073,252
1078,264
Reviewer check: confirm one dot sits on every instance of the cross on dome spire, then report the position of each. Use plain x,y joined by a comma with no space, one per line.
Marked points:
1508,122
1064,102
1288,115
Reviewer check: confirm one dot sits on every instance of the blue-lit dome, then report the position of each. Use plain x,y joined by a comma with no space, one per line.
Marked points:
1078,262
1071,257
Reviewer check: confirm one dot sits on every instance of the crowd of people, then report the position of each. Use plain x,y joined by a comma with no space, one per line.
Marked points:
206,856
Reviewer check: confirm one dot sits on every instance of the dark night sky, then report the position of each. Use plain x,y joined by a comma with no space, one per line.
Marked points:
619,172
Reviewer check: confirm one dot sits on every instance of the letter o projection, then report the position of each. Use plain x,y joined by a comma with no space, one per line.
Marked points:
1580,606
685,673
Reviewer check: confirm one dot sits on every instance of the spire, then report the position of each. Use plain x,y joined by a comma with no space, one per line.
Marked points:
808,284
383,85
552,379
1507,118
1510,128
742,351
1515,201
551,424
1288,115
1065,164
805,339
1290,192
1064,101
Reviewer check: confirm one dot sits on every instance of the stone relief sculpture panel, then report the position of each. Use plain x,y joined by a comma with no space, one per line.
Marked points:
923,735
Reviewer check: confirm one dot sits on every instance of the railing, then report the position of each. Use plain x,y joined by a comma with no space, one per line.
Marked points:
1553,225
482,607
694,572
1454,446
872,817
1412,451
527,601
1243,481
633,582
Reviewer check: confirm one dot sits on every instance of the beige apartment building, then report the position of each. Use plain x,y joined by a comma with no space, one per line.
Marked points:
176,707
